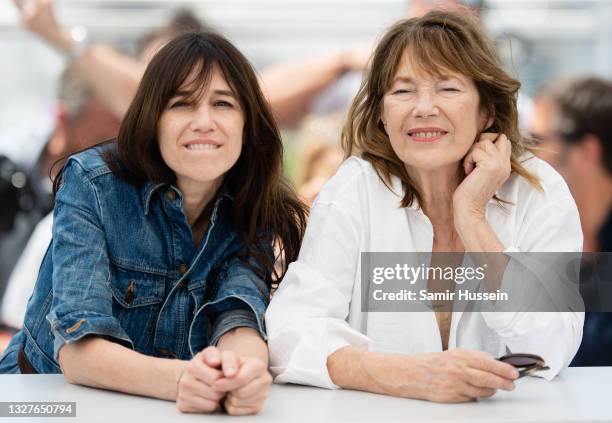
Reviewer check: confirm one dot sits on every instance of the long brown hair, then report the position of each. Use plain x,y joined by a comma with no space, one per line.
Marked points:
437,42
263,201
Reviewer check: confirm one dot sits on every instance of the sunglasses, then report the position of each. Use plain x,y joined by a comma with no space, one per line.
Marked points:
526,364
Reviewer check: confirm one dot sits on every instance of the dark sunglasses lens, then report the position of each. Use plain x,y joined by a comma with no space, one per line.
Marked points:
520,361
523,360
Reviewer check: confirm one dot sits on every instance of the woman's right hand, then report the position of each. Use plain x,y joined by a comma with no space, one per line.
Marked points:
450,376
194,391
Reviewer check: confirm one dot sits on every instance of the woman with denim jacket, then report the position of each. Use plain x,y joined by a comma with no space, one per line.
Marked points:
159,271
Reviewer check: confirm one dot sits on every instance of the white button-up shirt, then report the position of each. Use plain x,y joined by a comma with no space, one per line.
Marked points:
317,308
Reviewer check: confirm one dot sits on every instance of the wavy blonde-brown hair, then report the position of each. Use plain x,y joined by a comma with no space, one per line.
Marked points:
438,42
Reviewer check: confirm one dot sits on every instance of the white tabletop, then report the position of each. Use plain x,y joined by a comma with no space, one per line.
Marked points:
577,395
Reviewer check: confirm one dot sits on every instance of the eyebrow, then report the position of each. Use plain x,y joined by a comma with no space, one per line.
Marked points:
405,79
444,78
224,92
409,80
185,93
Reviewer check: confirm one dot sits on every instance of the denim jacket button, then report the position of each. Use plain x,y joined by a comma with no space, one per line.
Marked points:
184,283
129,294
183,268
170,195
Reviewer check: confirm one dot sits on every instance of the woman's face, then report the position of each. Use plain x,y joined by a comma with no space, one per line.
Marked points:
201,139
432,121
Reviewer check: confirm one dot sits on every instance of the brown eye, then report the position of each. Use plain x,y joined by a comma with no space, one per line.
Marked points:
178,104
223,103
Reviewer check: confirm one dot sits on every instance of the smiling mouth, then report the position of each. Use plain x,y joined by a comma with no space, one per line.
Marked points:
202,147
426,136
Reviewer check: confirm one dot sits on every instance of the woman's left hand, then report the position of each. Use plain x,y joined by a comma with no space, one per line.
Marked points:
246,381
487,167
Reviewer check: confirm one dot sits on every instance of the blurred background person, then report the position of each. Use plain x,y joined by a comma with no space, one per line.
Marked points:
112,75
572,121
289,87
82,120
542,121
320,154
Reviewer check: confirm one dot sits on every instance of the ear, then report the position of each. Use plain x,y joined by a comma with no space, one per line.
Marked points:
486,120
58,142
591,149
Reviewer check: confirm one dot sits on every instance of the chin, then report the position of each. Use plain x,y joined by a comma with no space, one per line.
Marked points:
206,179
203,177
431,162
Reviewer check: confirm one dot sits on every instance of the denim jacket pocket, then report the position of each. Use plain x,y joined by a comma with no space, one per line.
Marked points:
137,299
136,289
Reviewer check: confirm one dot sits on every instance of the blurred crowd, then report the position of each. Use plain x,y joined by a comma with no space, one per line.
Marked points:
570,117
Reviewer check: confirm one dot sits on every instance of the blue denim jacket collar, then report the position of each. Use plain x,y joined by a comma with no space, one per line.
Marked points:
149,188
146,192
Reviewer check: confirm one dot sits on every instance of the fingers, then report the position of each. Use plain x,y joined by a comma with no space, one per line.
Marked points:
451,398
212,356
199,370
193,404
482,379
229,363
485,362
490,147
244,382
488,136
249,370
249,399
475,156
195,396
258,386
504,370
468,163
479,150
463,398
195,393
193,387
504,145
258,398
477,392
242,410
500,141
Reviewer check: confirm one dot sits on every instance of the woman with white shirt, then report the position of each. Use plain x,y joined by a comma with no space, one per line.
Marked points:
438,165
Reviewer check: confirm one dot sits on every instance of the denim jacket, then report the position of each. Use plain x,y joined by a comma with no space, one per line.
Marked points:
122,265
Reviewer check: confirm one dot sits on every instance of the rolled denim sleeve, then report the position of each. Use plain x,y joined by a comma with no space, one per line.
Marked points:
240,298
232,319
82,296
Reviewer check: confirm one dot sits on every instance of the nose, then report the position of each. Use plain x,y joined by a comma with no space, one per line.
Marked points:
203,119
425,105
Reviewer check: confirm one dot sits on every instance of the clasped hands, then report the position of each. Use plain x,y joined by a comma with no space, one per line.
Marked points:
214,377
